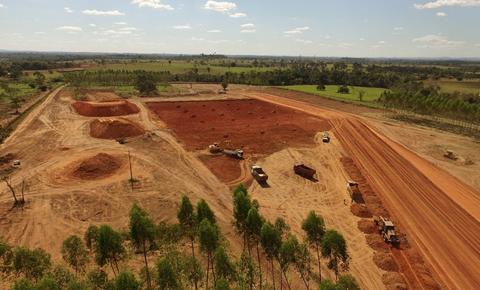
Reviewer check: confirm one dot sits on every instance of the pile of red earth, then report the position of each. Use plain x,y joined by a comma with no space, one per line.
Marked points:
105,109
385,262
113,129
98,166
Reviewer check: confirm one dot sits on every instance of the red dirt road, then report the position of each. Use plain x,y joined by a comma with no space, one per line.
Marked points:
440,214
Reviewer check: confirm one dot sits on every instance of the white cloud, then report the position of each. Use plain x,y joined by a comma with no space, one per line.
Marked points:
182,27
120,23
95,12
238,15
381,42
445,3
437,41
128,29
362,39
247,25
92,25
156,4
214,31
1,5
298,30
477,45
398,28
70,28
39,32
304,41
441,14
112,32
68,10
248,30
220,6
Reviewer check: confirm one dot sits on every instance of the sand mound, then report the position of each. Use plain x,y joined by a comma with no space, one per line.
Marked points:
394,281
385,262
105,109
367,226
95,167
360,210
113,129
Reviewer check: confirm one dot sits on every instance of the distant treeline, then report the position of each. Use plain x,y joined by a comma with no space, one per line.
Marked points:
339,73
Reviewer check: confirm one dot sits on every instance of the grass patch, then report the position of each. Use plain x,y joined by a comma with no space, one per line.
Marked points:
371,95
452,85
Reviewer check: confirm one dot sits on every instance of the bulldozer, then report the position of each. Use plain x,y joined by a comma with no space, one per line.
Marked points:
387,229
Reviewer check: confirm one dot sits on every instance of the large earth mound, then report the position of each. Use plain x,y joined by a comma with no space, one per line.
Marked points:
113,129
105,109
98,166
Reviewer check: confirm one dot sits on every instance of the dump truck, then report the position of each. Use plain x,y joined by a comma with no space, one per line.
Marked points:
238,154
326,137
304,171
259,174
387,229
215,148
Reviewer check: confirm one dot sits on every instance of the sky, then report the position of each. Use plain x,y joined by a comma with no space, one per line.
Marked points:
337,28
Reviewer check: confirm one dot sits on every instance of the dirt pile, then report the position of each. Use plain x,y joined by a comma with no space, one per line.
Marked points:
376,242
360,210
105,109
96,167
113,129
394,281
367,226
385,262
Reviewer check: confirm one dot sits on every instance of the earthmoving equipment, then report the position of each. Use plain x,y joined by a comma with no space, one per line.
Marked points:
259,174
215,148
450,155
326,137
387,230
353,190
238,154
304,171
120,140
16,163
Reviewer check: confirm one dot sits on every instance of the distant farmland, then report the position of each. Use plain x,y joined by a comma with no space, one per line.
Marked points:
370,94
453,85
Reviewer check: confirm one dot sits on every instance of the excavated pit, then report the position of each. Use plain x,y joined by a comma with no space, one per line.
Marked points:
116,128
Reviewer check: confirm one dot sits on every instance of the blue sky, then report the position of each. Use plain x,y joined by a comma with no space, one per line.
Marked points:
356,28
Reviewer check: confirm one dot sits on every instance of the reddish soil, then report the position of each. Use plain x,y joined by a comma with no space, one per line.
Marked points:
252,125
105,109
376,242
98,166
225,168
367,226
360,210
394,281
112,129
385,262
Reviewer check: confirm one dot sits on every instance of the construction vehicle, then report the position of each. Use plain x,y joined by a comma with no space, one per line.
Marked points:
304,171
387,229
121,140
238,154
216,149
16,163
326,137
450,155
353,190
259,174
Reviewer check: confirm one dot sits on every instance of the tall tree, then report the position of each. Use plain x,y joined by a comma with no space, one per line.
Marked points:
271,241
109,248
287,255
90,237
75,253
142,233
127,281
314,227
32,263
302,263
167,277
254,223
204,212
334,247
241,206
188,222
224,268
208,237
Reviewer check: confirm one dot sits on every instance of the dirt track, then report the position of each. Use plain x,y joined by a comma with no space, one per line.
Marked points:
440,214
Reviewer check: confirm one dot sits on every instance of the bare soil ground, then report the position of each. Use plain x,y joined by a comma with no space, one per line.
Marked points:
437,213
252,125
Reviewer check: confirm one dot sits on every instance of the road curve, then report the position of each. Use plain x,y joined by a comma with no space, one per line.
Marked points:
440,214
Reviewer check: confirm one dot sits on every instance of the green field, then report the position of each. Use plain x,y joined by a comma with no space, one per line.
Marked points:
176,67
453,85
369,97
129,91
19,89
